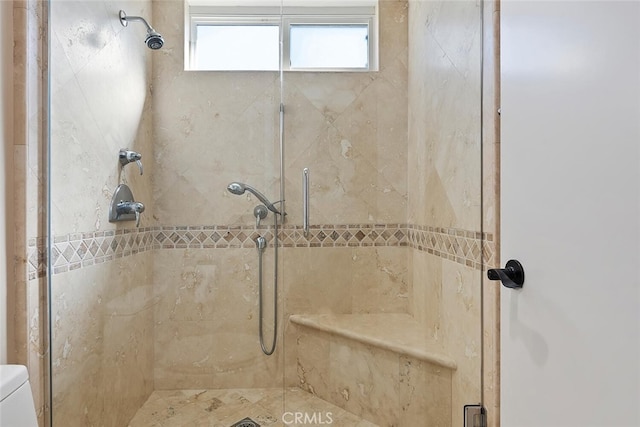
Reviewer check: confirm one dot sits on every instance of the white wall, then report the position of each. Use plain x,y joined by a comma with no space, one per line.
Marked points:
6,144
570,210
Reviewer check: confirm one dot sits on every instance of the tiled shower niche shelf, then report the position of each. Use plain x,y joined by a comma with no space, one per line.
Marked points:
395,332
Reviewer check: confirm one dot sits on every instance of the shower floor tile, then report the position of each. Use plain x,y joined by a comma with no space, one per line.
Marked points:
223,408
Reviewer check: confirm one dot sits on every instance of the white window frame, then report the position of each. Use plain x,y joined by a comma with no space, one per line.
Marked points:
195,20
285,18
288,21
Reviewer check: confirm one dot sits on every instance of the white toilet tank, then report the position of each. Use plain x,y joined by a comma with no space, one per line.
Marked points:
16,401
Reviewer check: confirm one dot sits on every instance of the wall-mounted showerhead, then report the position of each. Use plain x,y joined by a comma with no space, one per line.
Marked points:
154,40
239,189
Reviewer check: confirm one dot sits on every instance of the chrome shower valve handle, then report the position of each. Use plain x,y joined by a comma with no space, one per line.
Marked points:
123,206
260,212
127,156
130,208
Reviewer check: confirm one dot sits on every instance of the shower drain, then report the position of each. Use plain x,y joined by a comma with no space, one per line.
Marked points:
247,422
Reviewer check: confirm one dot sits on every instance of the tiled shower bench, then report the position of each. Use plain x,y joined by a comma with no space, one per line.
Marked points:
380,367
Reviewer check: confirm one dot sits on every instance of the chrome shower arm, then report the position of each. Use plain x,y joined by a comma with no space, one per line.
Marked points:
154,39
124,20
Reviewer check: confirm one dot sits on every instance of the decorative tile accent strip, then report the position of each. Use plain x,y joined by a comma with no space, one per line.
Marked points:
351,235
209,236
462,246
79,250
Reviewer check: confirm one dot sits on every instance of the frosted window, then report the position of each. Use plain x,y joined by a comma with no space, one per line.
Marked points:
329,46
237,47
301,35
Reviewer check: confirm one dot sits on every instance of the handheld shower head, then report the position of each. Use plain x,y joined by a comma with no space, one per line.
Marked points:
154,40
239,189
236,188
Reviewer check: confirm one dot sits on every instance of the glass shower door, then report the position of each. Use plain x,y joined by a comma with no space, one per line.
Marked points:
158,322
383,295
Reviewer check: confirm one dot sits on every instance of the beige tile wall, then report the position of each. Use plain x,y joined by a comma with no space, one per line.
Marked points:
102,349
350,130
212,128
100,91
28,310
444,178
491,209
103,342
206,320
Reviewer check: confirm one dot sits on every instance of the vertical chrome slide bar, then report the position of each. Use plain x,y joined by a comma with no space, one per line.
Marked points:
281,138
305,201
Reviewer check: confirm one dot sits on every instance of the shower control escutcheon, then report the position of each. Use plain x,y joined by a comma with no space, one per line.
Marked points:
260,212
127,156
124,207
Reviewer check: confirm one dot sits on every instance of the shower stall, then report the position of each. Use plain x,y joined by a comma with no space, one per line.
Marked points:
376,311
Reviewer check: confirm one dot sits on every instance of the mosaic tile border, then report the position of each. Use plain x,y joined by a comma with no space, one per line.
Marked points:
79,250
462,246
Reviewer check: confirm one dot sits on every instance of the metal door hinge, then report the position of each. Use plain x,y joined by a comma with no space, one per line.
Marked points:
475,416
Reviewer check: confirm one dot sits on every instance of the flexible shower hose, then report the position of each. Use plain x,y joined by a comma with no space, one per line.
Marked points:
270,351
